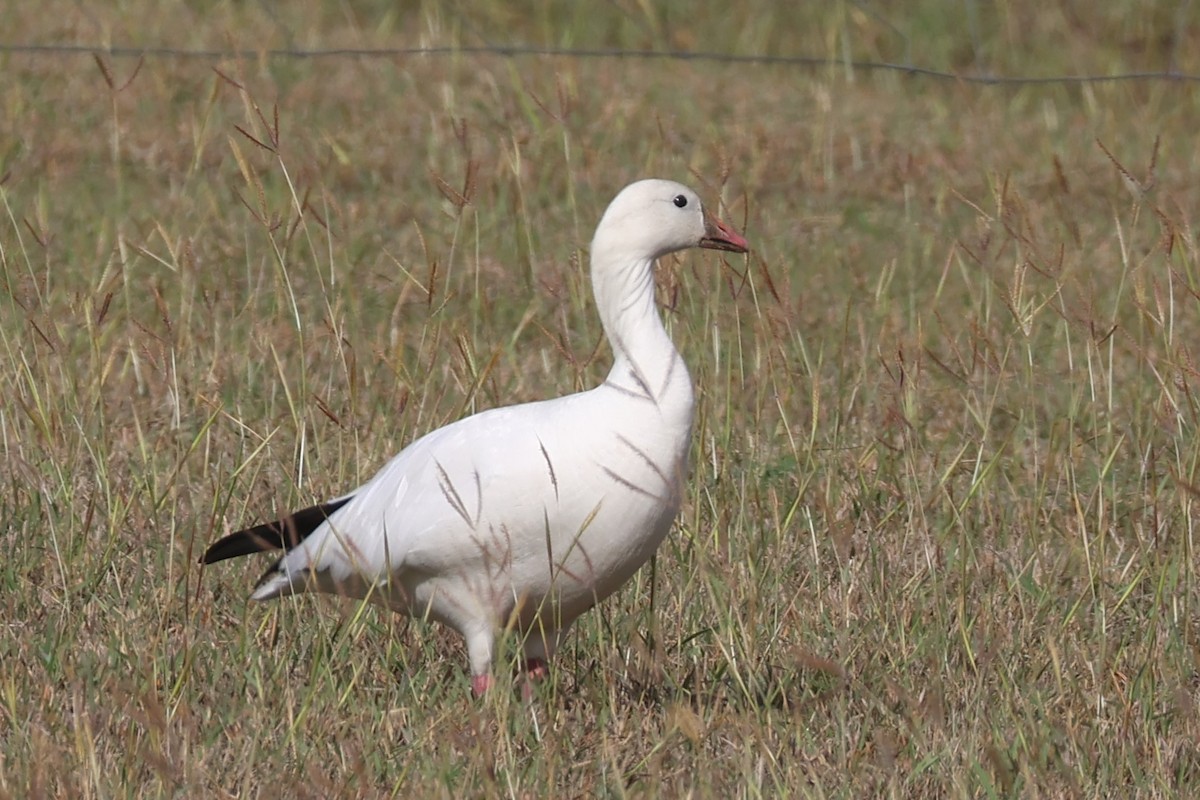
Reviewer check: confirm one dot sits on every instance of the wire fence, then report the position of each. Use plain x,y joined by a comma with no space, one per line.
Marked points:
527,51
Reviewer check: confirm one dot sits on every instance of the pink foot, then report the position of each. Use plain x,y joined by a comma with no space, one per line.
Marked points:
535,670
480,684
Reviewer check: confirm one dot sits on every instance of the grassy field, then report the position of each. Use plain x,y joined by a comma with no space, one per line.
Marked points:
939,535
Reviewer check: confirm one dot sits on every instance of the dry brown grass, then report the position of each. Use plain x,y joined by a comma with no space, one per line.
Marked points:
939,536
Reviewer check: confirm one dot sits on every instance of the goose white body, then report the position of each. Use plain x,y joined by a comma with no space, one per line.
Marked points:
525,517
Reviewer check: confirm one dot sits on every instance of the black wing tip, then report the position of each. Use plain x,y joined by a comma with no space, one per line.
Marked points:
284,533
242,543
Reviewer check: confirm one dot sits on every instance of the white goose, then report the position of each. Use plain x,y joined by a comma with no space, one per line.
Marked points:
524,517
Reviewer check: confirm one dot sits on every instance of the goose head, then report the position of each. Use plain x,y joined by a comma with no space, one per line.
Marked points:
651,218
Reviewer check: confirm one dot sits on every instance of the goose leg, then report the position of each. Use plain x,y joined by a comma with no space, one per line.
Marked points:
535,670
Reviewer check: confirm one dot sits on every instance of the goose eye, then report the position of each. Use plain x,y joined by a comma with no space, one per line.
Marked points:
680,201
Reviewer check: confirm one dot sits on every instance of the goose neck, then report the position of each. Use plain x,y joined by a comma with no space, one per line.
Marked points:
643,354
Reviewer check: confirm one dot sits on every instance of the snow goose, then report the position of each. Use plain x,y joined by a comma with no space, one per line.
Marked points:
524,517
